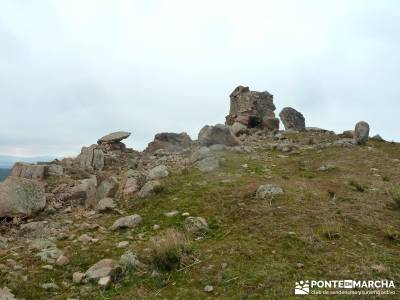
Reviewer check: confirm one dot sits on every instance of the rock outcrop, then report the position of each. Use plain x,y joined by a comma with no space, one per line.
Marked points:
218,134
170,141
361,132
29,171
252,109
20,197
292,119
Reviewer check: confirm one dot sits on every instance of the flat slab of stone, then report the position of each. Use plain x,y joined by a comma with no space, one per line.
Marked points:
114,137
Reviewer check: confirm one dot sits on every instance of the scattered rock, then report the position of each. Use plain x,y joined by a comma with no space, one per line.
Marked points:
292,119
207,164
49,286
49,255
268,192
200,154
127,222
77,277
378,138
131,187
129,260
238,129
218,134
20,197
105,204
103,268
270,124
208,288
171,213
123,244
149,189
195,225
5,294
326,167
62,260
158,172
55,170
108,188
156,227
104,281
85,191
348,134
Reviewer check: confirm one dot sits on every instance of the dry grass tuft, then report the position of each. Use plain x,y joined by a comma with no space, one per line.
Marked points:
394,193
169,250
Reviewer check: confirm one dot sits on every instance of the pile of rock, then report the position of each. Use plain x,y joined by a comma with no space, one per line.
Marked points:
94,157
252,109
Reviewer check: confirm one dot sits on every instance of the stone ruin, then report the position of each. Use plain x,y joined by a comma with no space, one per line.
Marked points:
252,109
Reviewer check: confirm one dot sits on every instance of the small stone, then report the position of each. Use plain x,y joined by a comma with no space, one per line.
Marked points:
104,281
196,225
47,267
104,268
77,277
84,238
62,260
171,213
185,214
156,227
105,204
49,286
268,191
158,172
299,265
127,222
123,244
208,288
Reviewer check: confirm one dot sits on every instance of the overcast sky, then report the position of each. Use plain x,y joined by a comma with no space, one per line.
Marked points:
72,71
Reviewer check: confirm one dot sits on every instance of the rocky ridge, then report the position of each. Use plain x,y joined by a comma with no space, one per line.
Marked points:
37,200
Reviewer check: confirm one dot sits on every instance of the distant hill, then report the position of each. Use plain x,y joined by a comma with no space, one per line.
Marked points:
7,161
4,173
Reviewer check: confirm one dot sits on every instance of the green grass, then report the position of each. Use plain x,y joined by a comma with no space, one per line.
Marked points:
339,224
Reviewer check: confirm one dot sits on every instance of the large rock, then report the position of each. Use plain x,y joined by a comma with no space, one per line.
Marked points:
130,188
103,268
218,134
127,222
270,124
20,197
292,119
29,171
108,188
250,107
195,225
114,137
85,191
149,189
170,141
55,170
157,172
91,158
361,132
208,164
